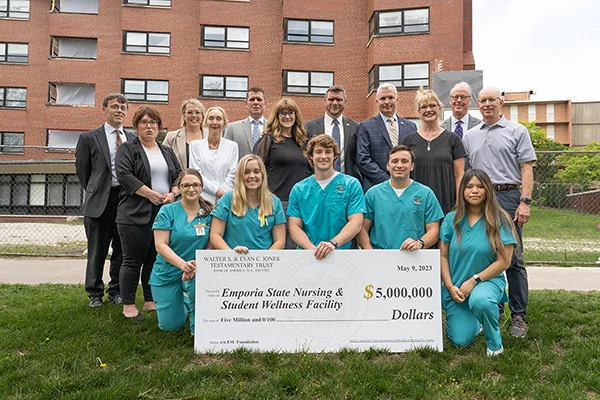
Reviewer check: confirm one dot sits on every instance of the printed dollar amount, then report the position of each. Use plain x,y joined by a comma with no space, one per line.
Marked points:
397,292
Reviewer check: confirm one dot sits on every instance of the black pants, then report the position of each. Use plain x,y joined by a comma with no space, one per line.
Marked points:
100,232
139,254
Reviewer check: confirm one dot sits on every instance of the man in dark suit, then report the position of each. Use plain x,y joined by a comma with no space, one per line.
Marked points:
95,167
342,129
460,100
246,132
377,136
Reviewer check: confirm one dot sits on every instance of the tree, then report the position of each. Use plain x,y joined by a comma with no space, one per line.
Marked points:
583,169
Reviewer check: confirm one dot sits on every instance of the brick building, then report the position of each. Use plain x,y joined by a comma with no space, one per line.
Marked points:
59,58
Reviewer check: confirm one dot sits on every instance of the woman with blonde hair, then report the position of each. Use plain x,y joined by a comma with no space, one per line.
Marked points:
281,148
476,243
439,153
250,217
192,118
214,156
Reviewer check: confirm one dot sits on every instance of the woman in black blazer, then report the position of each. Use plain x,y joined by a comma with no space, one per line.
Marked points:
147,172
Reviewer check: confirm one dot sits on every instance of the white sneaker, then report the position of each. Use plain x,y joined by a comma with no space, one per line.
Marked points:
494,353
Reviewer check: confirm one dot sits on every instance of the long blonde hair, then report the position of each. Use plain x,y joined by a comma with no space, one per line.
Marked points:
495,216
239,203
298,131
194,102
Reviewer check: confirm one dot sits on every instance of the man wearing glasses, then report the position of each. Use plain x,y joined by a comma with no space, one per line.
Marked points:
95,168
247,131
503,149
460,100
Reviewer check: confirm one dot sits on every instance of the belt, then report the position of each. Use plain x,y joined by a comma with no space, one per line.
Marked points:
499,188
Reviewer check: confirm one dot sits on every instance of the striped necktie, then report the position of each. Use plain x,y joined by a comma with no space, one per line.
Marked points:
119,140
393,131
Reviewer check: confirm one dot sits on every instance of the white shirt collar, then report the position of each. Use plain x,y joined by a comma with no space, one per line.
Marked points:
329,120
109,129
385,119
464,119
260,120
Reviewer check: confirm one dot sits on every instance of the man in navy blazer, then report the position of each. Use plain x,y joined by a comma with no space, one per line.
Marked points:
335,103
377,136
95,168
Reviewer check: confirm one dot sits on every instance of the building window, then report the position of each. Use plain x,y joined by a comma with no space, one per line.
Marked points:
403,76
12,142
147,42
13,52
223,86
549,112
11,97
58,140
225,37
303,31
399,22
75,6
71,94
156,3
307,82
14,9
145,90
74,48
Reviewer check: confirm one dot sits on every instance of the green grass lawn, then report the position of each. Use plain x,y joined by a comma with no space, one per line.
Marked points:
52,346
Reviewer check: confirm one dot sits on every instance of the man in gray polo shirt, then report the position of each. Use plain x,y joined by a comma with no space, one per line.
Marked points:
503,149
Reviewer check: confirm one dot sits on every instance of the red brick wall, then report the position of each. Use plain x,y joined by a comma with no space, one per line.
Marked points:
350,57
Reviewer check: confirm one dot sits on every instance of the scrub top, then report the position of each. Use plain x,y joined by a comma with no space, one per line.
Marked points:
325,212
183,240
247,230
475,253
396,219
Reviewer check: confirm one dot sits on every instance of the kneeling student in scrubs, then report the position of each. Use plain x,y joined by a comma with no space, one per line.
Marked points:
325,209
401,213
250,217
180,229
476,242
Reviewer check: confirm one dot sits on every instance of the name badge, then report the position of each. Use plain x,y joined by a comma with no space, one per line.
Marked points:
200,231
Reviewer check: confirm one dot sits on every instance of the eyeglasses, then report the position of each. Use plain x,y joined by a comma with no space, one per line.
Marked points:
460,97
425,107
284,114
490,100
186,186
151,122
192,112
117,107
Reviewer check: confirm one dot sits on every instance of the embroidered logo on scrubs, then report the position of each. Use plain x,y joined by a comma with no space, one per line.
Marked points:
417,201
341,188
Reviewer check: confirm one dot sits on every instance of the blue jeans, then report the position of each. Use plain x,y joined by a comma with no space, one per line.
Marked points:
516,274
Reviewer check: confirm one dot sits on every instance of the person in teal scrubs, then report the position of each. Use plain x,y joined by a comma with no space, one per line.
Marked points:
401,213
250,217
180,228
476,243
326,209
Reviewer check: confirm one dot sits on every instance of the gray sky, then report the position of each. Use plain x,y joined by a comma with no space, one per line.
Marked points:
549,46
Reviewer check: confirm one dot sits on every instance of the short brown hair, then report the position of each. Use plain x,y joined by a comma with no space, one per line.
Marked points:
324,141
120,99
149,111
402,147
254,90
336,89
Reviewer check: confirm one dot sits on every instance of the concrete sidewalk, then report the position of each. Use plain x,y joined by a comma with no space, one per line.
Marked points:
33,271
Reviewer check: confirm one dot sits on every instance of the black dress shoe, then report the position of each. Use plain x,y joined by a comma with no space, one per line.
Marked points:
138,318
116,299
96,302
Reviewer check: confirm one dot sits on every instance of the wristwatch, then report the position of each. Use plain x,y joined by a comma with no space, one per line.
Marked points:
526,200
334,243
477,279
421,242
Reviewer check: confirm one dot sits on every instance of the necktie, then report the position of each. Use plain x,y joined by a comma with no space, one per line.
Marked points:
255,131
119,140
458,130
335,134
393,131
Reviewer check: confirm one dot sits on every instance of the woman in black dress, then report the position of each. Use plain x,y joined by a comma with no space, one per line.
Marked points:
440,155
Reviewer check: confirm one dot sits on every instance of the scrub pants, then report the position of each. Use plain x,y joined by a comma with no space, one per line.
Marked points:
172,307
516,274
464,320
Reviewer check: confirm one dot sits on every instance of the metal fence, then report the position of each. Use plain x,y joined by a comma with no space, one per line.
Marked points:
40,212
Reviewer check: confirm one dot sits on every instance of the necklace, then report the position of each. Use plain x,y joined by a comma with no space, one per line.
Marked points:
428,145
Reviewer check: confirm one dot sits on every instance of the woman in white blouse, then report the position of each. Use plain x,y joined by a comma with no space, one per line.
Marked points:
214,156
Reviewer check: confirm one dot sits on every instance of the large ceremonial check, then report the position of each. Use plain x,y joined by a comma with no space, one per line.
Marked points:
288,301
